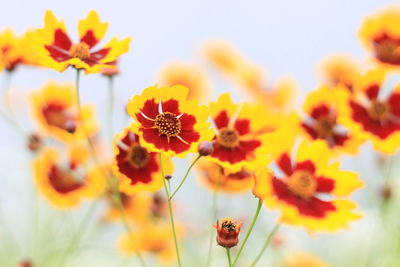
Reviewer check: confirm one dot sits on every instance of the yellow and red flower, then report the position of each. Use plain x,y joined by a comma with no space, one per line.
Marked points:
228,232
380,35
217,178
308,188
55,49
136,166
373,112
167,122
239,141
321,120
66,183
54,108
188,75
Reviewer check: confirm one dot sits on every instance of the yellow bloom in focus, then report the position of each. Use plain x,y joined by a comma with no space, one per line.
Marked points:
155,238
188,75
302,259
14,50
66,183
218,178
54,109
309,189
54,48
380,35
167,122
339,70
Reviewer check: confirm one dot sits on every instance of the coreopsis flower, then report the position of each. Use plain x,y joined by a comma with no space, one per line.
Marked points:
188,75
14,50
218,178
167,122
339,70
136,166
228,232
380,35
308,188
55,49
54,109
373,112
321,120
303,259
240,138
65,182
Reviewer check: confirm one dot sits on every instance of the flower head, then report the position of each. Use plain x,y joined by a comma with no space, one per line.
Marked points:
303,259
136,166
55,49
228,232
167,122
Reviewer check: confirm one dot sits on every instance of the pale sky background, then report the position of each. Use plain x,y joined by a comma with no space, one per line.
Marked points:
286,37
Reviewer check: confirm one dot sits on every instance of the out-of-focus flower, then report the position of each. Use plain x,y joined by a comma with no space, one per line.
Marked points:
111,71
167,122
217,178
306,176
156,238
339,70
54,108
240,138
380,35
303,259
54,48
25,263
137,168
228,232
188,75
321,120
373,113
13,50
65,183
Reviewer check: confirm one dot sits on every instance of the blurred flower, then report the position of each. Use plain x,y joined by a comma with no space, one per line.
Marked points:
25,263
228,232
111,71
239,140
13,50
321,121
302,259
217,178
54,108
65,183
300,192
167,122
188,75
374,113
54,48
137,168
339,70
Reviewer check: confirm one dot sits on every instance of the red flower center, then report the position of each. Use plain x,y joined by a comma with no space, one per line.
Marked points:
167,123
387,49
378,111
138,156
63,180
228,137
80,50
302,184
324,126
58,116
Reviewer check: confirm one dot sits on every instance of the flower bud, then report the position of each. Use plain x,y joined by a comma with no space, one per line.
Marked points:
205,148
168,176
25,263
34,142
386,192
228,232
110,71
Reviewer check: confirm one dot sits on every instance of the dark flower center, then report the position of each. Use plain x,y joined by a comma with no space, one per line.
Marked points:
167,123
80,50
63,180
228,138
387,50
324,127
229,225
60,117
138,156
378,110
302,184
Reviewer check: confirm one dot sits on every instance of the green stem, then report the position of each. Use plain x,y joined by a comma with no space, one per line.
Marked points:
110,112
259,205
185,177
171,214
266,244
228,254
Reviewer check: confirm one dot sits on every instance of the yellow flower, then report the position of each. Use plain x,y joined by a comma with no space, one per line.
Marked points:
54,108
55,49
302,259
167,122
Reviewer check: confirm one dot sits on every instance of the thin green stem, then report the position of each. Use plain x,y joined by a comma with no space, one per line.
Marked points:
259,205
171,213
185,177
228,254
110,113
266,244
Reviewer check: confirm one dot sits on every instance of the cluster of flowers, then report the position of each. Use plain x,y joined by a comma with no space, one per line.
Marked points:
289,160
